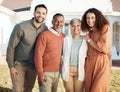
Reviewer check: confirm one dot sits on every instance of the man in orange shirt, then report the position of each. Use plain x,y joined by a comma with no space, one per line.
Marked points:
48,53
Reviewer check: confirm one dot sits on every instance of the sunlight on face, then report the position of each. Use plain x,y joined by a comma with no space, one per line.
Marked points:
40,15
75,27
90,18
58,23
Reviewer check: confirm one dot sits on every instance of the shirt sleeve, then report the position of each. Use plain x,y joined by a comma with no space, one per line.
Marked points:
104,42
39,52
13,42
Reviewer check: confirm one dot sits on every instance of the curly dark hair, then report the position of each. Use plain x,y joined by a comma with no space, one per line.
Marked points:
100,19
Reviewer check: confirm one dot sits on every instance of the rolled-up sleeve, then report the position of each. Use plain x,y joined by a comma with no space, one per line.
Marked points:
104,42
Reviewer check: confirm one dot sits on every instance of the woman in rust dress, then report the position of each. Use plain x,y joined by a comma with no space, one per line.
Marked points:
97,65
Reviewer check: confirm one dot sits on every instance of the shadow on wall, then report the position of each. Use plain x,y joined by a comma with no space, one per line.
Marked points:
3,89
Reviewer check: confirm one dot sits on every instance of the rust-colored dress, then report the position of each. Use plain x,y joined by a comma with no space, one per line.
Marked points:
97,66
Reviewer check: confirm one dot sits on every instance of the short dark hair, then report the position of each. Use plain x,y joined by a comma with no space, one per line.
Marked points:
58,14
40,6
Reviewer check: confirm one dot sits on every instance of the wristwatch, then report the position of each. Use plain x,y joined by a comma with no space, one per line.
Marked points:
88,40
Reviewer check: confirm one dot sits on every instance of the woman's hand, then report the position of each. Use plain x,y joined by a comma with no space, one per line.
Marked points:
86,37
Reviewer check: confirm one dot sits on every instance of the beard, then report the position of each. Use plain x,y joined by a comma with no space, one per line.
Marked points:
59,30
37,21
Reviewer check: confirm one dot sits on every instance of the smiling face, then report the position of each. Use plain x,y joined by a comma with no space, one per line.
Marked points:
75,27
58,23
91,18
40,15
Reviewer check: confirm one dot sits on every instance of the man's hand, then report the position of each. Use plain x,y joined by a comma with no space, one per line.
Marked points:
41,80
13,73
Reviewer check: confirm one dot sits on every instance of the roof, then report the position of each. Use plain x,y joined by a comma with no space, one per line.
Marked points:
22,5
116,5
17,5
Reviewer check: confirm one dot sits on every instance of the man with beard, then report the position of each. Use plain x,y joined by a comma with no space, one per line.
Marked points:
20,50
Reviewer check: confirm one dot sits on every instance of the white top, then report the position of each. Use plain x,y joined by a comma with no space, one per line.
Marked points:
54,32
66,57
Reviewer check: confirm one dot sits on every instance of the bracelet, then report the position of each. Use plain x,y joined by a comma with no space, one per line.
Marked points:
88,40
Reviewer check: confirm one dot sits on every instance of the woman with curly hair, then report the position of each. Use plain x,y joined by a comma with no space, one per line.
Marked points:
97,65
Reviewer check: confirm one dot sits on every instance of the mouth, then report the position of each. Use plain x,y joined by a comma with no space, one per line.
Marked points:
76,31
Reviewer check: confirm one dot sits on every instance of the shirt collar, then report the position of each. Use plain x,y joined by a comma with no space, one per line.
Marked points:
32,22
54,32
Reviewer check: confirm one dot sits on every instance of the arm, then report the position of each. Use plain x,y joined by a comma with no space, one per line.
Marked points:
13,42
104,42
91,42
38,57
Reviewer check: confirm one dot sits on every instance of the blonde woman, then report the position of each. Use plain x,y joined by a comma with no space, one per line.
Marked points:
74,54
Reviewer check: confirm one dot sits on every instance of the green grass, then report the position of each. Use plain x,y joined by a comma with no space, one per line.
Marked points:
5,81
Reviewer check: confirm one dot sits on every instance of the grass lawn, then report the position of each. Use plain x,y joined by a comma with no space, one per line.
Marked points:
5,81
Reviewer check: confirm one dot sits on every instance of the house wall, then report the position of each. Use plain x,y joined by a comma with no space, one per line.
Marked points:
6,26
115,31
